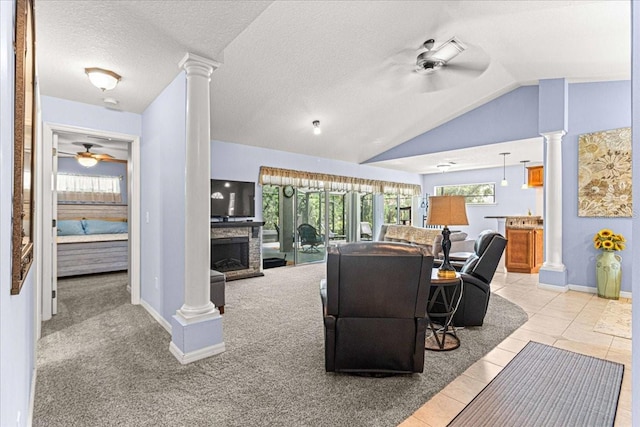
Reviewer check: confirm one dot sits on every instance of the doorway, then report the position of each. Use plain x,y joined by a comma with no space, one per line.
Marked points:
51,136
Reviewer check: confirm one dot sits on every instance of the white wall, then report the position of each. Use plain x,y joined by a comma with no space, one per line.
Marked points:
17,312
510,200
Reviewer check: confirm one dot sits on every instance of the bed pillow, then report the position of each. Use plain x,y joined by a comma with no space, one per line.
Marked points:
97,226
70,227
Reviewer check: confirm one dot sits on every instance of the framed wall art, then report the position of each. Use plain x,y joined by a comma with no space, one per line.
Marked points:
604,174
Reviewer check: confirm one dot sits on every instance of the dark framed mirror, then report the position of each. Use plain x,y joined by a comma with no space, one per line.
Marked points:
24,143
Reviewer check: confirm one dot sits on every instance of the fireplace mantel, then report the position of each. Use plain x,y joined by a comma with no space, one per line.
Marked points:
249,229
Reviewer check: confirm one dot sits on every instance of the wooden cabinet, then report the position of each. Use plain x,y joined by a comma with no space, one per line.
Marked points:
535,176
524,250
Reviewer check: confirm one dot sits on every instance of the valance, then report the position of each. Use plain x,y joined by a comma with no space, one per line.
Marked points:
321,181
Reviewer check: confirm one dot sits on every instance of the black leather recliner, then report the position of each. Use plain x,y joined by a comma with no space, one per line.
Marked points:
374,302
477,273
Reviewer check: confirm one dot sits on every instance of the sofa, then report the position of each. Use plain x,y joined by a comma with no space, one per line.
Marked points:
430,238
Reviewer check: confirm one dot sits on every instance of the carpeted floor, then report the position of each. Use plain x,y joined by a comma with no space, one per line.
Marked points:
548,386
104,362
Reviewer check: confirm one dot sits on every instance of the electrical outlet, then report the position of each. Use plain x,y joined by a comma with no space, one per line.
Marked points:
157,283
146,217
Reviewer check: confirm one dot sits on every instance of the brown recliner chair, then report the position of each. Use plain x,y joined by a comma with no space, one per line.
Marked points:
374,301
477,273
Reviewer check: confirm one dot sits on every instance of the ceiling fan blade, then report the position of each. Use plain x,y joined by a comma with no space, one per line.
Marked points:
113,160
103,156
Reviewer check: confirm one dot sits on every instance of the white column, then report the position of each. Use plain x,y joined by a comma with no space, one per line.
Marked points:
502,229
197,304
553,202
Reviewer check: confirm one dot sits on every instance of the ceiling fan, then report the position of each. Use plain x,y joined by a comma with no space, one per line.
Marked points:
88,159
436,68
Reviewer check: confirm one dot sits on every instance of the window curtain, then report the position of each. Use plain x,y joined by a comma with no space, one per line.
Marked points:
320,181
88,188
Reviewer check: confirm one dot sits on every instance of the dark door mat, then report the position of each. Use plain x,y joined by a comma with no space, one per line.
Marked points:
273,262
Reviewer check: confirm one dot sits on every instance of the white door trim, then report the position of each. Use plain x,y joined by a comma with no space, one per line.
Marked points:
48,243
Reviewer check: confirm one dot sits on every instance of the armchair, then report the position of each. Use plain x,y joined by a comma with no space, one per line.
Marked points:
309,238
477,273
374,303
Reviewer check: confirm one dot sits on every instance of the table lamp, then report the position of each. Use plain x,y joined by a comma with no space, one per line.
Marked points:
445,211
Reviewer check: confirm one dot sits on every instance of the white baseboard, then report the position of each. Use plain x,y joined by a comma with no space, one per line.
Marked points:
578,288
195,355
156,315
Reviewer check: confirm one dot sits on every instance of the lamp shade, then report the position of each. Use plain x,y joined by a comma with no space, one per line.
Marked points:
447,210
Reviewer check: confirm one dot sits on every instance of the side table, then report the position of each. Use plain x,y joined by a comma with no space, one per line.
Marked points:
444,295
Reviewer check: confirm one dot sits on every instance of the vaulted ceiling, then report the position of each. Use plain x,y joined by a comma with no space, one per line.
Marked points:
348,64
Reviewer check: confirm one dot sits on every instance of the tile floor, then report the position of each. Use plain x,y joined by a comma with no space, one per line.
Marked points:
563,320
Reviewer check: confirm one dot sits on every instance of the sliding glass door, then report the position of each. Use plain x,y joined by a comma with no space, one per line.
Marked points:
300,223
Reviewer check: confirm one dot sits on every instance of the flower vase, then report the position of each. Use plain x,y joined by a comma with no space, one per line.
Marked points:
608,275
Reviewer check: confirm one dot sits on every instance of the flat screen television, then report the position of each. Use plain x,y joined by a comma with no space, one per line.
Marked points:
232,198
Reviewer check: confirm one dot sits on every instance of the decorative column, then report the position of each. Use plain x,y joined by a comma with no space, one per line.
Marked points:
553,271
197,325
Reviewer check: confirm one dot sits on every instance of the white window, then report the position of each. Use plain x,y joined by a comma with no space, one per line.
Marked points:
475,194
89,188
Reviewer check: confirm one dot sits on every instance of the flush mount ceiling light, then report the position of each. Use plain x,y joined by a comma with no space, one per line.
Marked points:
102,79
444,167
524,174
504,181
316,127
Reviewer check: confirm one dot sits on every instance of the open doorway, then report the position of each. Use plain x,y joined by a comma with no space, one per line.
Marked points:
96,213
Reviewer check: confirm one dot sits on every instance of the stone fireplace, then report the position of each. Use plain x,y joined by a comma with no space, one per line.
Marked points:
236,248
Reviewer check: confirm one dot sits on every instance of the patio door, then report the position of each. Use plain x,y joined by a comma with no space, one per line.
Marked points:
311,241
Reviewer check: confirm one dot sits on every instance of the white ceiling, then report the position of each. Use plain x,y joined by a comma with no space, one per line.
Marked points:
287,63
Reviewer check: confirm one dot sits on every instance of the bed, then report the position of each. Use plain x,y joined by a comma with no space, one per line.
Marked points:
92,238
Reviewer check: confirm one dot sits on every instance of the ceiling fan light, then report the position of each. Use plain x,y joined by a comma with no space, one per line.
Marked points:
87,162
102,79
448,50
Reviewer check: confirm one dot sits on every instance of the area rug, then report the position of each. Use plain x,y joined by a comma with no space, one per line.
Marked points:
547,386
104,362
616,319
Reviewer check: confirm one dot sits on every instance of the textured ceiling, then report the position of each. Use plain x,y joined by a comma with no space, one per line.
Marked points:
287,63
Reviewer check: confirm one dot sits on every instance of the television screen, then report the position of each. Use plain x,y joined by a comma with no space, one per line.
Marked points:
232,198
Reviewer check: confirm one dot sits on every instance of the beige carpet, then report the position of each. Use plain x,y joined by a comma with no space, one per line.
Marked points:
616,319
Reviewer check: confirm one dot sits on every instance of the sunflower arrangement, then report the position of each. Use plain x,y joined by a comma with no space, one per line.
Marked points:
607,240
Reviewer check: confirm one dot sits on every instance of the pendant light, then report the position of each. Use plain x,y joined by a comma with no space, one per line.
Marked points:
524,174
504,181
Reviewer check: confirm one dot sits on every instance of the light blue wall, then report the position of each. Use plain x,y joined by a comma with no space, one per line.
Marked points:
511,117
71,165
17,313
162,178
554,102
592,107
510,200
65,112
242,163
